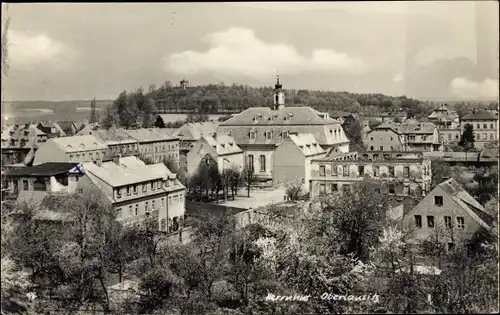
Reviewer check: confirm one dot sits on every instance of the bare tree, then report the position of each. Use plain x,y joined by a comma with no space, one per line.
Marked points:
5,42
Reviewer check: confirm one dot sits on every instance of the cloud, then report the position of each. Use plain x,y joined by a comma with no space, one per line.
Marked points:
466,88
239,51
25,50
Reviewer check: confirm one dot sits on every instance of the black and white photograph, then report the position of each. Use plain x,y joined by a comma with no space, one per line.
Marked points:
250,158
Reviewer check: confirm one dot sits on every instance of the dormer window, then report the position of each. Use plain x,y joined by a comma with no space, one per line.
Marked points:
252,134
269,135
223,145
69,146
82,145
284,134
214,146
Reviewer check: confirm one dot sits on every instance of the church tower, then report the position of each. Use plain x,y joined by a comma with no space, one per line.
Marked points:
279,95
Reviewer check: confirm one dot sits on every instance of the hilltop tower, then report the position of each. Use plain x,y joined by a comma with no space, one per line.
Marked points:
279,95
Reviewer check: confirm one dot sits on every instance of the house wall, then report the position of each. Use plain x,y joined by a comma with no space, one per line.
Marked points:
228,161
449,135
49,152
288,163
197,152
128,149
383,140
257,152
450,208
483,136
418,179
159,150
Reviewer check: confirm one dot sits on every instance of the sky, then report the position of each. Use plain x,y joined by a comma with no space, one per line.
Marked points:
426,49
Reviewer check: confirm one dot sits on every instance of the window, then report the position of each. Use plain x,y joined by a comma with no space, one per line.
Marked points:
406,171
491,126
485,126
322,170
252,134
79,191
424,138
322,189
371,148
118,193
335,187
491,136
162,202
25,184
176,200
262,163
451,246
418,221
163,224
371,138
361,170
447,222
170,200
346,170
144,188
406,190
250,163
392,138
392,189
381,148
346,188
449,136
153,204
119,211
478,126
284,134
158,184
392,148
135,189
130,210
269,135
128,191
391,171
334,170
438,200
146,207
136,209
430,221
460,222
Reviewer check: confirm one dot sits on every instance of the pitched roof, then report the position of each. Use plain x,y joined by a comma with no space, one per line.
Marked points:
387,125
307,144
113,136
79,143
480,115
194,131
66,125
464,200
87,130
45,169
419,128
285,116
29,133
443,113
223,144
149,134
129,170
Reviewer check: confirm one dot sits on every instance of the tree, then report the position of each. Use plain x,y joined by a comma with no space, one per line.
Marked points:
159,122
487,185
145,158
294,190
354,133
467,138
171,164
248,178
93,114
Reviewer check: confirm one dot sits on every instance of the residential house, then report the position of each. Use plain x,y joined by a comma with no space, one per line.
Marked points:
343,117
51,129
118,141
259,130
384,137
75,149
293,156
19,140
31,184
390,117
189,133
448,212
87,129
219,148
136,191
156,144
69,127
404,173
448,124
485,126
420,137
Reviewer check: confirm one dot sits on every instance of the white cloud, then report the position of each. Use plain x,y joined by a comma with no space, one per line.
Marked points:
26,50
463,87
239,51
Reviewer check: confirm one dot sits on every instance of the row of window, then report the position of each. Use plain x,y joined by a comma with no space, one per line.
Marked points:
447,222
86,156
361,170
157,149
346,187
381,148
484,136
262,159
268,135
173,224
133,189
134,209
485,126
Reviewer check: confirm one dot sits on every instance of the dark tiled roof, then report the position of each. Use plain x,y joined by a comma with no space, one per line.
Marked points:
482,115
66,125
45,169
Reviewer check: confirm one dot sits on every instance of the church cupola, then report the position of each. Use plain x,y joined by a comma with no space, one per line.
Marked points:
279,95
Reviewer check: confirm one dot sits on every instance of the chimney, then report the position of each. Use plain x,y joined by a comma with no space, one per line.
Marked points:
116,159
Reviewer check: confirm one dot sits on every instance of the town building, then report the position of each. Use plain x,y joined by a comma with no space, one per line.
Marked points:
390,117
189,133
448,212
485,126
51,129
136,191
448,123
259,130
219,148
69,127
75,149
344,117
293,156
118,141
32,184
156,144
420,137
19,140
384,137
87,129
404,173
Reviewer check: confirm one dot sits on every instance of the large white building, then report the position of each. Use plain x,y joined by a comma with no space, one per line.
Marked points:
259,130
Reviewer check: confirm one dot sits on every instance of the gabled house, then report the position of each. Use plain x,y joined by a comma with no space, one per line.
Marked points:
384,137
69,127
485,125
156,143
19,140
118,141
420,136
452,210
219,148
292,158
51,129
